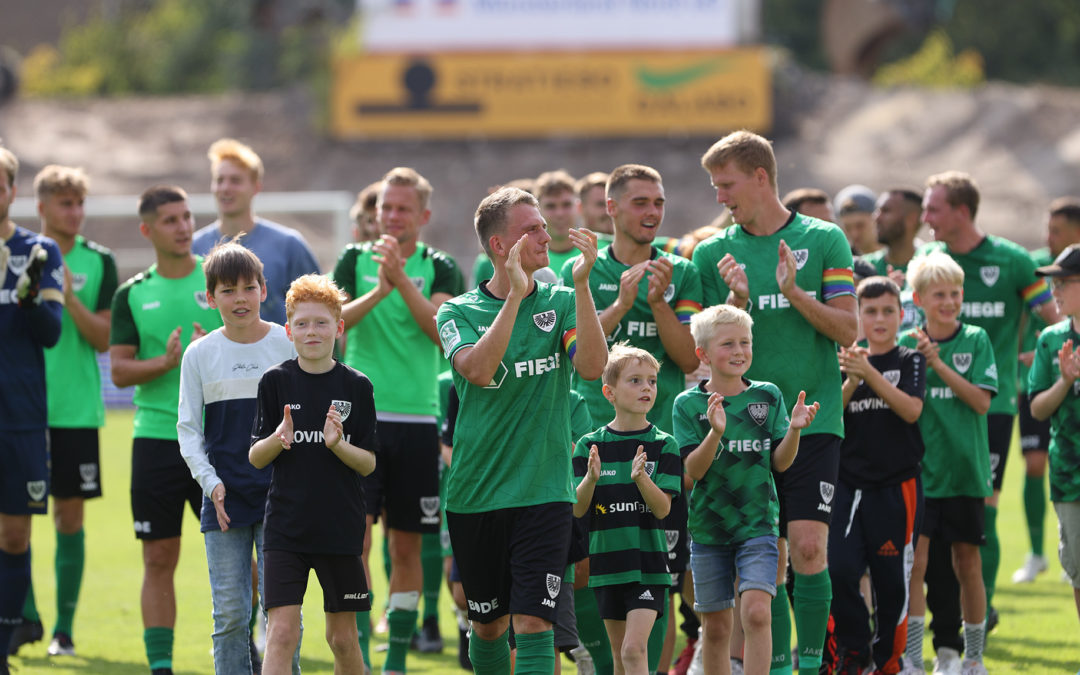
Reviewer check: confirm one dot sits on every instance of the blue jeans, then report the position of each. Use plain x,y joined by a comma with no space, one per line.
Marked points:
715,569
228,555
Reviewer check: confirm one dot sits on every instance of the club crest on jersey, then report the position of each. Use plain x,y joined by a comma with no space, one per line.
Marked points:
759,412
649,468
1076,387
891,376
989,274
58,277
669,292
200,299
17,263
429,505
343,407
450,336
554,583
36,490
961,362
827,491
995,459
801,256
78,281
672,537
419,282
545,321
615,333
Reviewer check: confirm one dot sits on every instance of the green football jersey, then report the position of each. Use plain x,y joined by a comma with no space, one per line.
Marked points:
1065,422
877,259
999,281
581,422
557,260
146,309
482,269
71,365
957,459
637,327
512,439
788,350
736,498
1033,323
627,543
387,345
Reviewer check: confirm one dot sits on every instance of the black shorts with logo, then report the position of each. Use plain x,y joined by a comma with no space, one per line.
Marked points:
999,431
405,481
955,519
341,577
161,484
24,472
512,561
615,602
76,463
1034,434
807,488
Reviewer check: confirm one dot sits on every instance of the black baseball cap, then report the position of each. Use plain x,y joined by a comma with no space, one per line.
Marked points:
1066,264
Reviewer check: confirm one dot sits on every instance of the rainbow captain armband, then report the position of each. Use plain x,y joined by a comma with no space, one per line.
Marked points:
837,282
686,309
569,341
1036,294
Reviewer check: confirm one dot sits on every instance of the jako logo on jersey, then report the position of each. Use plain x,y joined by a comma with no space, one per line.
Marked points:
200,299
545,321
669,292
36,489
294,406
484,607
801,256
778,301
976,310
450,336
989,274
759,412
891,376
961,362
343,407
608,287
642,328
430,508
151,305
612,472
536,366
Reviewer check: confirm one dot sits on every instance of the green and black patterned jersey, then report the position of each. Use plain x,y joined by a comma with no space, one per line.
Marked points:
627,543
387,345
71,366
1033,323
638,328
999,282
512,439
146,309
736,498
957,458
1065,422
788,350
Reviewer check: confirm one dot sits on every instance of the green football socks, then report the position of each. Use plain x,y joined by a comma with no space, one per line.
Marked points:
781,634
159,644
492,657
813,595
991,554
402,622
70,559
432,563
591,632
535,653
1035,510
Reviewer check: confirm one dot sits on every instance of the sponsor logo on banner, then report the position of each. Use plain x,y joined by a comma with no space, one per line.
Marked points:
961,362
759,412
989,274
545,321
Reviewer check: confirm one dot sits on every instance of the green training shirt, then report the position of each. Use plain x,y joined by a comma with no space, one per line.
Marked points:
145,310
387,345
1065,422
957,458
638,328
627,543
999,281
71,366
788,350
512,439
736,498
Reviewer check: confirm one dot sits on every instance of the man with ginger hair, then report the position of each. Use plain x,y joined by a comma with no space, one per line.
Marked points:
236,177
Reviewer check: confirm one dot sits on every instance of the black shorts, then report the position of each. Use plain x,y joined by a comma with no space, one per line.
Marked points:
955,519
565,625
999,430
677,534
512,561
1034,435
615,602
161,483
807,488
285,577
76,463
405,481
24,472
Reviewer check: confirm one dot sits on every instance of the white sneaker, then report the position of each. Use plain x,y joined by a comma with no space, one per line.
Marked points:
910,669
736,666
697,667
972,667
583,660
1034,565
947,662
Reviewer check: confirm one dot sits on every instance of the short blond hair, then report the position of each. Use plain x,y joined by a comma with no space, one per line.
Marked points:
934,268
960,189
747,150
9,164
621,356
491,215
235,151
409,177
704,324
552,182
54,179
314,288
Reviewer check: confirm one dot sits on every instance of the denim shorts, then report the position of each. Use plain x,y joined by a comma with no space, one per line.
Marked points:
715,568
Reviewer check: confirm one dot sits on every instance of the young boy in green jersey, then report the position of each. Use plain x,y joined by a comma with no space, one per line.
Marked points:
1055,396
315,421
961,380
627,472
733,432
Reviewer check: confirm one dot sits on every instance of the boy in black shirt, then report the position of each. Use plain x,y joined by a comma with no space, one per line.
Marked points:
315,419
879,494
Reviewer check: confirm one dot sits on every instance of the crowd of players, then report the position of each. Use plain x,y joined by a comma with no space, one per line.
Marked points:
781,392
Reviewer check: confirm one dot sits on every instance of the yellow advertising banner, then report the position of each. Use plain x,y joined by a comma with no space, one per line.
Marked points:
528,94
